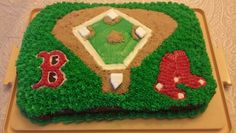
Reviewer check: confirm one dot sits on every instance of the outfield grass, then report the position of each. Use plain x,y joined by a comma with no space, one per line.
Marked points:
113,53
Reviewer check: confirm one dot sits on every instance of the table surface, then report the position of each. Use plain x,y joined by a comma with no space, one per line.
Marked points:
220,15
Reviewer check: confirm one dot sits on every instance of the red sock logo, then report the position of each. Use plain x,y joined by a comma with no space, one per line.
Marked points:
52,76
174,69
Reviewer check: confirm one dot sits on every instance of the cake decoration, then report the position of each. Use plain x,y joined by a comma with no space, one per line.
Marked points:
89,92
98,45
140,32
115,37
175,69
116,79
84,32
112,15
52,76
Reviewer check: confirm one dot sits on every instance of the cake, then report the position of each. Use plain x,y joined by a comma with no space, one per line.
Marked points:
88,62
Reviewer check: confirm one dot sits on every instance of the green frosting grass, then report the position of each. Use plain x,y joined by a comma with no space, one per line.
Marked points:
83,88
113,53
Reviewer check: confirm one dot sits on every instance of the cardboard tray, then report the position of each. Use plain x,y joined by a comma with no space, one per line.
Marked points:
214,120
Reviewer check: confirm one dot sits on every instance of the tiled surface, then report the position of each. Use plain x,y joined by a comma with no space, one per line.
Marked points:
221,19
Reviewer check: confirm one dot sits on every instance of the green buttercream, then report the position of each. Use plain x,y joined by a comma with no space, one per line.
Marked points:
113,53
83,88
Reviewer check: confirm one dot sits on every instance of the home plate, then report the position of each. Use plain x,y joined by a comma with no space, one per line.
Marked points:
116,79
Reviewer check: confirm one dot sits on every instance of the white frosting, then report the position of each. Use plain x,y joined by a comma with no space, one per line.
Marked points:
140,32
176,79
180,95
116,79
83,31
159,86
112,15
201,81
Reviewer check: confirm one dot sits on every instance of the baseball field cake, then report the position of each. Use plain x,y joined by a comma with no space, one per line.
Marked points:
88,62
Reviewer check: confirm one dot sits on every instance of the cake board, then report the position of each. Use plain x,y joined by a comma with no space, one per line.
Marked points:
214,120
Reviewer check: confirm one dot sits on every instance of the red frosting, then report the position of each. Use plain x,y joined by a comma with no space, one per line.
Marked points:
175,69
47,68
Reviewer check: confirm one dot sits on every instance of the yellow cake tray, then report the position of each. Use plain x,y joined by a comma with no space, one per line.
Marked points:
214,120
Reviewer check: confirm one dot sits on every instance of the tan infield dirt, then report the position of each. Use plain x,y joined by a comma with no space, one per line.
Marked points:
134,34
162,27
92,33
115,37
